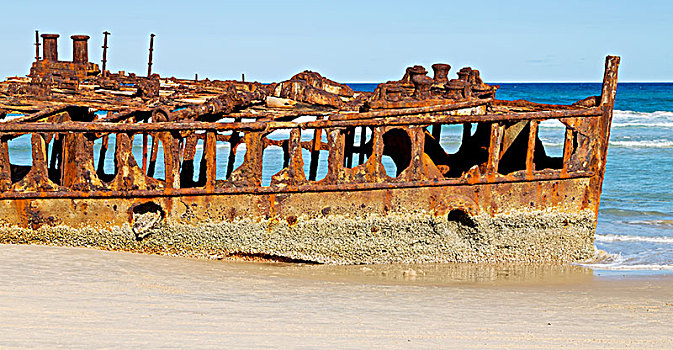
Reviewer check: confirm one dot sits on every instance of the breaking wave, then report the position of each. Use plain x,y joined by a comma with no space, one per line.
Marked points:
617,262
659,119
625,119
660,223
662,143
630,238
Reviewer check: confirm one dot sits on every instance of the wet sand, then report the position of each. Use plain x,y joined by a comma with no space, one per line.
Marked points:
83,298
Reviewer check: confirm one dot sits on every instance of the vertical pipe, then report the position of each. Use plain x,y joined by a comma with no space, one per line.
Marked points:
37,46
149,63
243,77
105,34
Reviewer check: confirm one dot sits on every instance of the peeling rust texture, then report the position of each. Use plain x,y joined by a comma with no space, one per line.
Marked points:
105,144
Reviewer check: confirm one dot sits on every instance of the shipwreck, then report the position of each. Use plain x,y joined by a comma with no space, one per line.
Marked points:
305,169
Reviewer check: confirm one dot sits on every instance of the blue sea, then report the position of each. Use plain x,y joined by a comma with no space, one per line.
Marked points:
635,221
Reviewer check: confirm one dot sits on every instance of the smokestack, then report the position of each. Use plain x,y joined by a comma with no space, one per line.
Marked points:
80,48
50,47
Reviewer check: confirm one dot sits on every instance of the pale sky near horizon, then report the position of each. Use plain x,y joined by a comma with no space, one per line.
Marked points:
353,41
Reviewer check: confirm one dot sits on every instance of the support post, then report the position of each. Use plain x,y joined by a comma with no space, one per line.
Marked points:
568,148
233,143
37,46
437,132
315,154
348,147
494,150
145,137
467,132
363,140
105,140
210,152
105,34
608,92
153,156
149,63
530,152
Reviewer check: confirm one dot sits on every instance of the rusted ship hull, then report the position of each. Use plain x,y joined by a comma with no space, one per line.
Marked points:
370,226
498,198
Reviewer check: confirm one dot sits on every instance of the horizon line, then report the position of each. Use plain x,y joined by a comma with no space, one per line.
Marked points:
543,82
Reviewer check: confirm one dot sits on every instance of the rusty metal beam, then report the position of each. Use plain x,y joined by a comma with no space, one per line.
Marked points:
338,187
272,125
416,110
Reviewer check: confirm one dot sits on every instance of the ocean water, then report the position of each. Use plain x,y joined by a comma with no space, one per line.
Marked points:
635,221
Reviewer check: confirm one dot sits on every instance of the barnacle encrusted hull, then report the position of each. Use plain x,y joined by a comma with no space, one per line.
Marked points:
340,238
434,224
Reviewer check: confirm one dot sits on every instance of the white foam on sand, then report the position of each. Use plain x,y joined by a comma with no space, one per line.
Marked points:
616,262
622,267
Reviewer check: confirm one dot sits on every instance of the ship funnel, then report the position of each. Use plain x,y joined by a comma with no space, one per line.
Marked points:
80,48
50,47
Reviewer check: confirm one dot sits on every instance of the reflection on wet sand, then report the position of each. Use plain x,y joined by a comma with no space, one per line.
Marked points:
431,274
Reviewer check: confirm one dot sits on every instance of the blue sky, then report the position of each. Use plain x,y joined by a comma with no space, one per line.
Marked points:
354,41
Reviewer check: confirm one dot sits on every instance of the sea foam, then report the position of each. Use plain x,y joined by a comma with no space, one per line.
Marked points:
626,119
661,143
631,238
624,267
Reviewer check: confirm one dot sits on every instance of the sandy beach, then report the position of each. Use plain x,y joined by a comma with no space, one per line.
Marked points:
83,298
